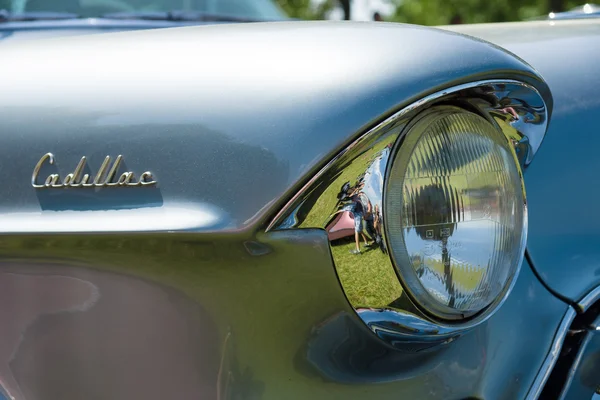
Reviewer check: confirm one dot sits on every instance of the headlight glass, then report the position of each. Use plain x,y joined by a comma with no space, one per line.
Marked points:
456,214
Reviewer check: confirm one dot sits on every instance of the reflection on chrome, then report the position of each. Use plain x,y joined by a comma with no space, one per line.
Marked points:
519,111
358,209
386,321
350,209
347,199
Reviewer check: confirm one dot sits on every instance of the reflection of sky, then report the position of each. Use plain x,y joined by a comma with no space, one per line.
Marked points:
374,178
471,246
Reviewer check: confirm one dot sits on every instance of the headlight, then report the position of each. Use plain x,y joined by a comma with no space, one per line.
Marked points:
455,210
426,213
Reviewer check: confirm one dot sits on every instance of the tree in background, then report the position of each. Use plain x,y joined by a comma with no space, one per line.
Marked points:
556,5
442,12
438,12
303,9
309,9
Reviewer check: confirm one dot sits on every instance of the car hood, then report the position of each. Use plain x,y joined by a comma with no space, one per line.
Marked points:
563,184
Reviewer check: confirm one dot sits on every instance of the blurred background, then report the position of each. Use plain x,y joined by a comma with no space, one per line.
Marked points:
177,12
430,12
32,19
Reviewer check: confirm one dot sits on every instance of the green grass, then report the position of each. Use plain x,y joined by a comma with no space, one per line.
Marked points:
467,277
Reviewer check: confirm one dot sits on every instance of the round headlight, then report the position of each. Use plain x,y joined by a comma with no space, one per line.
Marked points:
456,213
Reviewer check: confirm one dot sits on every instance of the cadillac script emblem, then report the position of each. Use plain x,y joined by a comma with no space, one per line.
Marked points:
102,178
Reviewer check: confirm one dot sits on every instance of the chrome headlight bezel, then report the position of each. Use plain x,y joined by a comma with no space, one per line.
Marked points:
516,109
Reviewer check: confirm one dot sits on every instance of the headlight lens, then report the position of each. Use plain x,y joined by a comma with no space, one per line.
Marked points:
456,213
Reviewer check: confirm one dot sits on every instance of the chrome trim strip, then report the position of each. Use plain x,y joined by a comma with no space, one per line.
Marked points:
581,306
592,297
552,357
583,349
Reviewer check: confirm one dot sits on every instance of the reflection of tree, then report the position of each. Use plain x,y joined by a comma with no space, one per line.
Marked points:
433,215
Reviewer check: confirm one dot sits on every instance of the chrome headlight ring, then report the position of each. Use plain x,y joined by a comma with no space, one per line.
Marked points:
380,283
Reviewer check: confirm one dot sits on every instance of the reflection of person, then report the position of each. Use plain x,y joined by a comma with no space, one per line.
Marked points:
361,209
370,222
511,111
377,17
373,222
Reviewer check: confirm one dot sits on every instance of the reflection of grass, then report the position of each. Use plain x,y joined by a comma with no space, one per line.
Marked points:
508,130
368,279
463,274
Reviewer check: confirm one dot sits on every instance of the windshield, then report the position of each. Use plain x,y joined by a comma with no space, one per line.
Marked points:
250,9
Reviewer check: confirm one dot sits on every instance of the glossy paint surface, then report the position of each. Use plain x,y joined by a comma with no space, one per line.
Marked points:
563,184
225,127
229,317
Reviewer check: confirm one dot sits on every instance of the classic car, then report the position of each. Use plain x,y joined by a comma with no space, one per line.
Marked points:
168,198
35,19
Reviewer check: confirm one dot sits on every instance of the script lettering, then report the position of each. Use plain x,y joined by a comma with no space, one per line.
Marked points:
38,166
71,180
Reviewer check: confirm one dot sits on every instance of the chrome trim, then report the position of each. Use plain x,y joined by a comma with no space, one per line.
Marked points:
577,363
70,181
592,297
38,166
581,307
515,108
552,357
